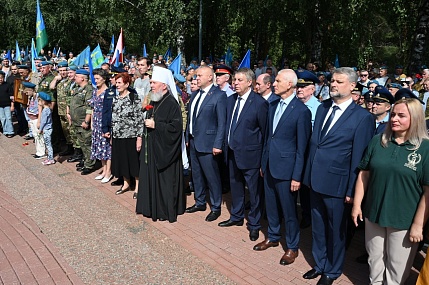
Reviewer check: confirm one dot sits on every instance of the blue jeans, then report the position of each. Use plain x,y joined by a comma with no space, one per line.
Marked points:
47,137
6,120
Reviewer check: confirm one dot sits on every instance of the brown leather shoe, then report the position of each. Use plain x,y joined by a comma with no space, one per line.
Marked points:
289,257
263,245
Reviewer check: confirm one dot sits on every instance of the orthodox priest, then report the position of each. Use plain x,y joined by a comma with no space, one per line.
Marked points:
161,194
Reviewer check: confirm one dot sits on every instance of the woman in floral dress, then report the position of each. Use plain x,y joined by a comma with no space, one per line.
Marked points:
100,147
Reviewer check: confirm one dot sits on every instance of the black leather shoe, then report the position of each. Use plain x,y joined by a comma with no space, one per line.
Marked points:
213,216
229,223
86,171
253,235
195,208
80,168
311,274
117,182
74,158
122,191
80,164
325,280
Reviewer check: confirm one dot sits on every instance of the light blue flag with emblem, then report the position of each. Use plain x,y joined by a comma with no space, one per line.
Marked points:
144,50
41,35
33,56
83,57
97,57
175,64
17,53
112,45
91,68
246,60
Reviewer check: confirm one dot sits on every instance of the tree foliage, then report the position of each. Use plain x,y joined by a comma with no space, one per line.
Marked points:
297,30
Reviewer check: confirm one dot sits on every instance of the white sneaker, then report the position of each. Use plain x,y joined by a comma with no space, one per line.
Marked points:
99,177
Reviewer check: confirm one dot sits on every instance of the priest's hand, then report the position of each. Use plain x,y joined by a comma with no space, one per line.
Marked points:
149,123
216,151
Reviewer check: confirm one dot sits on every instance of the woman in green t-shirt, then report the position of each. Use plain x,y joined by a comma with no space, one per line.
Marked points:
394,176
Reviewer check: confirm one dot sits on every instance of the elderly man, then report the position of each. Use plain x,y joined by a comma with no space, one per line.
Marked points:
288,133
161,194
344,129
205,137
223,75
263,87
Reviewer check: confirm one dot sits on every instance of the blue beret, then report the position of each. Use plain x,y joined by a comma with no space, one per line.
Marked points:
305,78
23,66
406,93
384,67
115,69
394,85
28,84
381,94
372,82
44,96
222,69
63,64
72,67
85,65
44,63
398,66
83,72
179,78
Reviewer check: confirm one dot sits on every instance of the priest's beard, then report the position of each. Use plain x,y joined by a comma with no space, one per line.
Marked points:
157,96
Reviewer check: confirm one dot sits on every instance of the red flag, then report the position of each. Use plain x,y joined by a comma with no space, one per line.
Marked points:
118,50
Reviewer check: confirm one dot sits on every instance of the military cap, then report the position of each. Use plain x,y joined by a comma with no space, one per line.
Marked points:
320,73
305,78
424,66
179,78
85,65
369,96
63,64
398,66
44,63
358,87
72,67
149,72
83,72
222,69
394,85
406,93
28,84
23,66
44,96
2,73
383,67
381,94
372,82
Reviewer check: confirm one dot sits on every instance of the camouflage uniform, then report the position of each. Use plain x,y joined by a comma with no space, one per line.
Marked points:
79,108
62,92
71,91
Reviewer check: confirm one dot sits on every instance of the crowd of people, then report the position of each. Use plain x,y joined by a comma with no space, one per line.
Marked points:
274,135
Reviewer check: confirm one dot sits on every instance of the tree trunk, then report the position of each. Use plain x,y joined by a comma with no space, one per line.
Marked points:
419,46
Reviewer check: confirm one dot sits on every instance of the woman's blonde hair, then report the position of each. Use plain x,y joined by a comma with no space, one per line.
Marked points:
417,131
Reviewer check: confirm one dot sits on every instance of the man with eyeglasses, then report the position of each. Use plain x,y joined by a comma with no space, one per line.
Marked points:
363,80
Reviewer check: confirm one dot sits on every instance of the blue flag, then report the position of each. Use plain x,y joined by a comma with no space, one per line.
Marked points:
91,75
41,35
17,53
175,64
33,56
54,51
82,58
246,60
117,58
8,56
112,44
167,54
144,50
97,57
337,62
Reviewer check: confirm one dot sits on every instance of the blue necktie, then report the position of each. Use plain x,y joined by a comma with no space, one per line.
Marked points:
235,116
194,113
329,121
278,114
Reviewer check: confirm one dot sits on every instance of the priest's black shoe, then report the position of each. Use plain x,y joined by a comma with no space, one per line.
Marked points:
86,171
122,190
195,208
213,216
229,223
253,235
117,182
325,280
311,274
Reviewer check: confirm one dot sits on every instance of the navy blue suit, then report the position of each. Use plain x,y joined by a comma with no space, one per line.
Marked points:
272,97
331,173
208,132
283,159
243,154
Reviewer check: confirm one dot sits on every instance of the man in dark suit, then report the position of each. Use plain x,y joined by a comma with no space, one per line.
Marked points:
341,133
244,136
287,135
263,87
205,137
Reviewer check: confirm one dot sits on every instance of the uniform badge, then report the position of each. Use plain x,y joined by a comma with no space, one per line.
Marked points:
413,159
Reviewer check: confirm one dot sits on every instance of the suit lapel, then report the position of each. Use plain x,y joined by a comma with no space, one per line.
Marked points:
246,106
325,111
271,112
344,116
206,99
289,109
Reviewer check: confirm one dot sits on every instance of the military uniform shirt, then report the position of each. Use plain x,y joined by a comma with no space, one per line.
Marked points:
43,86
79,104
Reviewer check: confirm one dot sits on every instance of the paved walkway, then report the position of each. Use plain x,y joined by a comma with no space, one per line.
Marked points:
58,227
